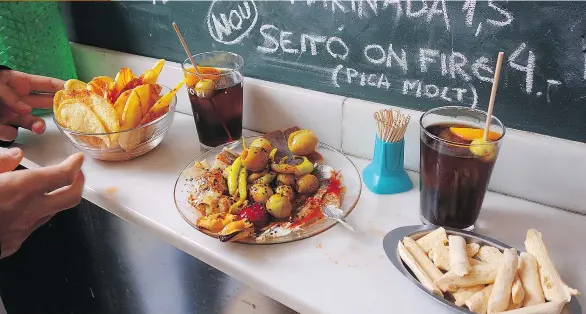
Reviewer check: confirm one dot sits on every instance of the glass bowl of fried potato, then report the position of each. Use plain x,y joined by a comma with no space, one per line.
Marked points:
116,119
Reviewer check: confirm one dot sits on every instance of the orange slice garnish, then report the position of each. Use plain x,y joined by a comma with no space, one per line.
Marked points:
471,134
191,78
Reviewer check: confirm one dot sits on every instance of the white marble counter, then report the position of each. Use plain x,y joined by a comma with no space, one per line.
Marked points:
334,272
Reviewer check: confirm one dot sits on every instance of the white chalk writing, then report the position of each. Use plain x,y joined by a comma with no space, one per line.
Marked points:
229,24
393,66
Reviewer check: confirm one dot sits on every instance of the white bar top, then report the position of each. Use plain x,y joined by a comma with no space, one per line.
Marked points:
334,272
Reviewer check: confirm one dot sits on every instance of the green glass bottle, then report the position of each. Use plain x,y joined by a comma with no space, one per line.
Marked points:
33,39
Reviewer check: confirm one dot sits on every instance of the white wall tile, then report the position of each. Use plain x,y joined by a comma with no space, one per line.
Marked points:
271,106
531,166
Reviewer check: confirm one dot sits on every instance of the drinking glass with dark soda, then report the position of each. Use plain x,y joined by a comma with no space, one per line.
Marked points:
456,164
216,96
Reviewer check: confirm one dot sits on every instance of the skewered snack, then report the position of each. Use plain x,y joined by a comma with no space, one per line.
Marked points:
269,190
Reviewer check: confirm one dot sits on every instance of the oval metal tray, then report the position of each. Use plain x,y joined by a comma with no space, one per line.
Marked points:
390,245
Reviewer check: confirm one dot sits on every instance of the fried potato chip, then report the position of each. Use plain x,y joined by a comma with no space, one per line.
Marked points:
121,103
91,141
57,98
123,77
75,84
151,76
148,94
162,105
132,112
106,114
82,95
79,117
100,85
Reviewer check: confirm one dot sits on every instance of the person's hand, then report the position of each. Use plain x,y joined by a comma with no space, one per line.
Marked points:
17,101
29,198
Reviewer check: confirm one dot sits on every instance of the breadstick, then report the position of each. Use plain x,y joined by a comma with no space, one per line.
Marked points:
513,305
479,275
478,302
489,254
501,291
427,242
472,249
554,307
459,264
441,257
554,288
463,294
529,273
418,271
421,259
517,291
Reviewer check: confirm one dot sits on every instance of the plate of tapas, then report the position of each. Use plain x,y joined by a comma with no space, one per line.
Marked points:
267,189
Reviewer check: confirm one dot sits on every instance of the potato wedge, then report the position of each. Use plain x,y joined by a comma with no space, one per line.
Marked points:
79,117
162,105
121,103
151,76
132,112
100,85
123,77
75,84
148,95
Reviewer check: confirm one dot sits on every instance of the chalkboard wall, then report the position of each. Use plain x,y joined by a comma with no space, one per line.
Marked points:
415,54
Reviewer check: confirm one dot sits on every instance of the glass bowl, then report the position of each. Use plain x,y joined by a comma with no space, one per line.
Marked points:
350,180
129,144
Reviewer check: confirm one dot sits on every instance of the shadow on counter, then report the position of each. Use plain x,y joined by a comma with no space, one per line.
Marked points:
86,260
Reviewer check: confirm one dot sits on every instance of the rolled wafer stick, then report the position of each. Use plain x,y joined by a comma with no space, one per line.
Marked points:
554,288
459,264
478,302
423,278
529,273
478,275
422,259
501,291
554,307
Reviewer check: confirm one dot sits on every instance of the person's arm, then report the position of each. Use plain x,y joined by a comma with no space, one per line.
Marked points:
4,143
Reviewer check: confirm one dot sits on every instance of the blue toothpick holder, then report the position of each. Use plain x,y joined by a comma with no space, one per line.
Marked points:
386,173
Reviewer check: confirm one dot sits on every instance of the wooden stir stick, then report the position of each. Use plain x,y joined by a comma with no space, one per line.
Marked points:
189,55
495,83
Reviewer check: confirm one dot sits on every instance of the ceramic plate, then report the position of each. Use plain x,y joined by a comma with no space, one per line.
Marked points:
391,241
332,157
